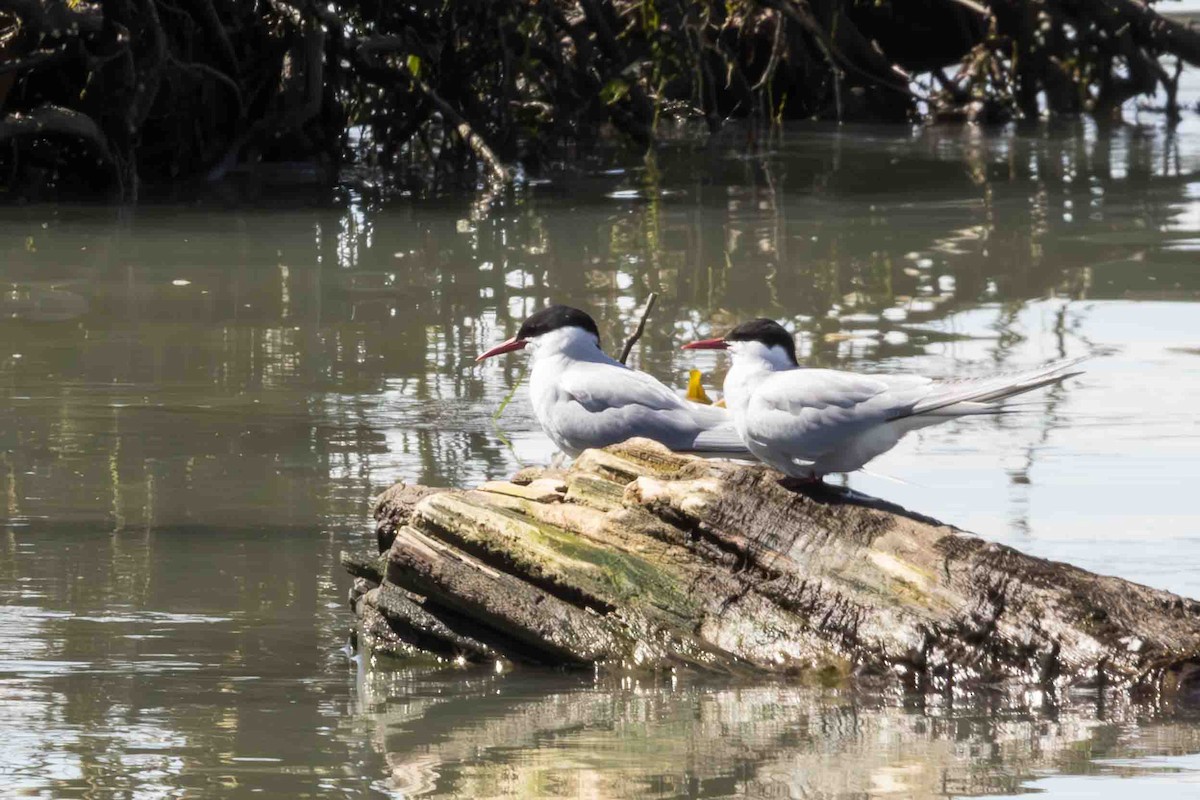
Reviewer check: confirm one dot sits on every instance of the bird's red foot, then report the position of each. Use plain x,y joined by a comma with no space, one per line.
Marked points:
812,482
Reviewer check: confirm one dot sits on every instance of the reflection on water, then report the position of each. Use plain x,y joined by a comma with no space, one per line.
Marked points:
196,405
135,664
447,733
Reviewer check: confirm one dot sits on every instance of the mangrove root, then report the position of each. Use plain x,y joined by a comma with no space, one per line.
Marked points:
200,88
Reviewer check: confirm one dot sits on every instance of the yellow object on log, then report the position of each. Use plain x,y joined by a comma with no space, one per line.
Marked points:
695,390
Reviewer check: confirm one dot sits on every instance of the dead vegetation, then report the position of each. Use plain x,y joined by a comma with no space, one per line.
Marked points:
99,98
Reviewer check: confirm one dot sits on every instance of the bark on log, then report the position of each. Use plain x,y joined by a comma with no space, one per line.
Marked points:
637,557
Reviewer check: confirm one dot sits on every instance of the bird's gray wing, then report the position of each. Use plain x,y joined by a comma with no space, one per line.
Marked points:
805,413
599,386
610,403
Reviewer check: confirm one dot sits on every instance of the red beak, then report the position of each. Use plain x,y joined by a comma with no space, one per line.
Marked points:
507,346
707,344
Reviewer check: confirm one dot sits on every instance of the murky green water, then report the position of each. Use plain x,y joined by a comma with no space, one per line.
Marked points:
196,404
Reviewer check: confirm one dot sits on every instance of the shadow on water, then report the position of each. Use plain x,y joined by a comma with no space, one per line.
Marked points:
198,403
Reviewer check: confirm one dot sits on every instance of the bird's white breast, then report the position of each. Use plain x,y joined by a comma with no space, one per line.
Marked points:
552,355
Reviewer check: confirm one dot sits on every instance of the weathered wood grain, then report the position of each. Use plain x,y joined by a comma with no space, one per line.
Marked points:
641,558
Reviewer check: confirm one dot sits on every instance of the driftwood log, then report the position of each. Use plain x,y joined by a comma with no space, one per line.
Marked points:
639,558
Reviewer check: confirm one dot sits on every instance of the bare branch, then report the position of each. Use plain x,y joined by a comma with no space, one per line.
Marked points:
640,329
394,44
39,58
57,121
55,17
49,121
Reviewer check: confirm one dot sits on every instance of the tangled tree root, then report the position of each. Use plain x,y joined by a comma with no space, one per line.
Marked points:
196,88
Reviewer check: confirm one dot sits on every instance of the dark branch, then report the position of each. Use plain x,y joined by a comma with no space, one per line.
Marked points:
639,330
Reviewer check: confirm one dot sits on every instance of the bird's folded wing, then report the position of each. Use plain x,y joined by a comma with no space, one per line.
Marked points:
807,412
613,403
598,386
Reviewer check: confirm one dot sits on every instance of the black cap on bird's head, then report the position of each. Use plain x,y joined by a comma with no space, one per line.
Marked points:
767,332
551,318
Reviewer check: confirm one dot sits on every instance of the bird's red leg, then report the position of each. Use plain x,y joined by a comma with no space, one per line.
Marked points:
810,482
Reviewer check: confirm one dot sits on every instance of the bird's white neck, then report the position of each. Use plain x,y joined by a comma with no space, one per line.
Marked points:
753,362
550,355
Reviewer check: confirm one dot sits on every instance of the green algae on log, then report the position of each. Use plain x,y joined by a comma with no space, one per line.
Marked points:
639,558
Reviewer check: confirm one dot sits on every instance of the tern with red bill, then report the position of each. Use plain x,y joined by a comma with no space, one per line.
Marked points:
808,423
582,398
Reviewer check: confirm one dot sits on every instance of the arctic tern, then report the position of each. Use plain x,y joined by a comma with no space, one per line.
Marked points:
808,423
583,398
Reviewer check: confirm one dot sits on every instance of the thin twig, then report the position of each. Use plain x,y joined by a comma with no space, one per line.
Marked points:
368,50
500,434
641,327
971,5
776,52
511,394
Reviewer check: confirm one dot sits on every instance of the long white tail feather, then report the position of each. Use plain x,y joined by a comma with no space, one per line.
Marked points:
972,396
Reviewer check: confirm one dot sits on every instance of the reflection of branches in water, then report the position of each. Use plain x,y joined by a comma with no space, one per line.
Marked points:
1007,337
482,734
1049,421
101,597
824,230
776,242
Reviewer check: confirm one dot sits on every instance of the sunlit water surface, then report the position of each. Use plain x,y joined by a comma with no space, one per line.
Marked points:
197,403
